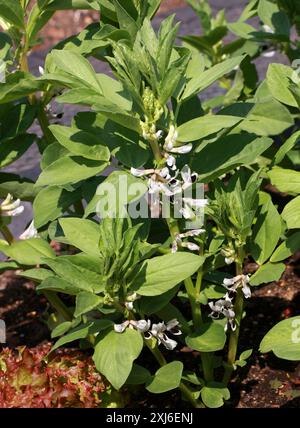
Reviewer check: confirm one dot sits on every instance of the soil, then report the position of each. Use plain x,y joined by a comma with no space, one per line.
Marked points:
265,382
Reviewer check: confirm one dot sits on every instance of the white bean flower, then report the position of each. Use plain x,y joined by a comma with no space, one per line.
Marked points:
182,150
130,300
11,208
224,307
171,162
269,54
141,326
189,245
190,205
160,330
229,255
30,232
267,29
188,177
239,281
171,139
141,172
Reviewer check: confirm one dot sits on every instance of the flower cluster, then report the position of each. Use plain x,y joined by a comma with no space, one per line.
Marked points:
130,301
11,208
229,255
172,182
225,305
189,245
239,281
159,331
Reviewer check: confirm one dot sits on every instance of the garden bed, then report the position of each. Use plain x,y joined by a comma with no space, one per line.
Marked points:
265,382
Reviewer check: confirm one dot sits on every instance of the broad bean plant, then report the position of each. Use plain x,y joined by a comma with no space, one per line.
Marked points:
158,194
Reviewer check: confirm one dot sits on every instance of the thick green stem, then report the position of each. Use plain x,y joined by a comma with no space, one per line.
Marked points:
8,236
189,286
190,397
206,359
234,335
196,312
58,305
156,151
192,294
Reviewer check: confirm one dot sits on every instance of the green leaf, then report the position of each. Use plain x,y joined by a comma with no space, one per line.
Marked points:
291,213
37,274
208,77
83,234
4,266
211,337
15,120
86,302
29,251
80,143
61,329
138,375
114,355
214,394
19,85
12,12
204,126
5,47
283,340
72,4
12,149
79,333
227,153
113,194
149,305
160,274
287,248
59,285
21,188
279,79
246,354
51,203
52,153
286,147
78,67
271,15
258,119
80,276
285,180
82,332
70,169
166,378
86,262
126,21
266,233
267,273
125,144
